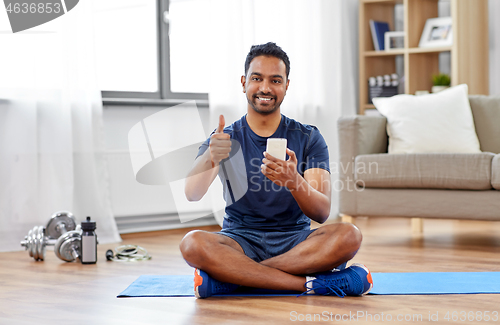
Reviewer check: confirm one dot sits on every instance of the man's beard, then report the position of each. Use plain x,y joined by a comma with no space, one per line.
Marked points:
260,111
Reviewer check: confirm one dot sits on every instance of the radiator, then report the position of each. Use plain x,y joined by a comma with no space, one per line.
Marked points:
139,208
155,222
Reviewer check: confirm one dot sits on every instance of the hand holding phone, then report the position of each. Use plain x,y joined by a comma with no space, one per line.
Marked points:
276,147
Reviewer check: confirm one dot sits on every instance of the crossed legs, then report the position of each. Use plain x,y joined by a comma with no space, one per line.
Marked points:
223,258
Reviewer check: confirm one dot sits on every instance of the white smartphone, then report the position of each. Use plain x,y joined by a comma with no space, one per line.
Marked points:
276,147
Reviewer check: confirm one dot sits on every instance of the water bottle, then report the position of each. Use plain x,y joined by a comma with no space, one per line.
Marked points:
89,242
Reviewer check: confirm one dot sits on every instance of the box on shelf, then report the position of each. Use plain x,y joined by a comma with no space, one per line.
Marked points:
381,91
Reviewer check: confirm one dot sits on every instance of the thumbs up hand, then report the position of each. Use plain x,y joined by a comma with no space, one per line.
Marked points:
222,122
220,143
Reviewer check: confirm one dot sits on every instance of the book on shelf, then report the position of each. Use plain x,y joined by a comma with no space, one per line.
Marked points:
378,29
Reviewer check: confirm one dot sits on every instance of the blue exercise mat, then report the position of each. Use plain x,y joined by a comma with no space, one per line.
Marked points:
435,283
183,286
161,286
429,283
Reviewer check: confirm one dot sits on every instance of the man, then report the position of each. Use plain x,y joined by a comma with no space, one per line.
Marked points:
266,240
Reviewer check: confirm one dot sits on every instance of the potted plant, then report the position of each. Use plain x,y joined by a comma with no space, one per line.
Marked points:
440,82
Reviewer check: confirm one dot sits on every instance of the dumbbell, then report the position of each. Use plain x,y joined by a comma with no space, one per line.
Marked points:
61,223
35,243
69,245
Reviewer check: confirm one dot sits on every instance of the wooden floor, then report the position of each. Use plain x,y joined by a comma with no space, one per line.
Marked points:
55,292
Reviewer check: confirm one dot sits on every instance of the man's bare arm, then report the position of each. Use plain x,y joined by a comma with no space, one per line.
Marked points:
200,177
312,192
206,166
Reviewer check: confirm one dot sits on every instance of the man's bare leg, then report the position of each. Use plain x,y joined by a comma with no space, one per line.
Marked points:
324,249
223,258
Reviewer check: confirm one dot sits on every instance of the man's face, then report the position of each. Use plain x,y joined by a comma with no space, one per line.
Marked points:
265,84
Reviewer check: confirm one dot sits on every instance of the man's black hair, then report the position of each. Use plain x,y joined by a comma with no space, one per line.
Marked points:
268,49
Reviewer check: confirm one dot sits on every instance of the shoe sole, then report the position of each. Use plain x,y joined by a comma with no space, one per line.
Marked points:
368,277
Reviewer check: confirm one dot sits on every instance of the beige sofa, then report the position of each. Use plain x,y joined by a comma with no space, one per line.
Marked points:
450,186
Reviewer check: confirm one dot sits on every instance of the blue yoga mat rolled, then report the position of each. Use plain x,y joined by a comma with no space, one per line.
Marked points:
426,283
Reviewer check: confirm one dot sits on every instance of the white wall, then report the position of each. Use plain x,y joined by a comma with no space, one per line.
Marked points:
128,196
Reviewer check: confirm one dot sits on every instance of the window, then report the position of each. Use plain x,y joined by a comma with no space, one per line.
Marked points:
189,43
151,49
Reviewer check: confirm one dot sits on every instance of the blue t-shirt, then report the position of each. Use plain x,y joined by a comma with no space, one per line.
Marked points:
254,201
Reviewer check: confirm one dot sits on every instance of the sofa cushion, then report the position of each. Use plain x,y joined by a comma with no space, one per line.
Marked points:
434,171
428,203
495,172
435,123
486,112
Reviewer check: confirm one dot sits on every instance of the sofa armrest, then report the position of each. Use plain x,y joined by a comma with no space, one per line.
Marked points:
358,135
362,135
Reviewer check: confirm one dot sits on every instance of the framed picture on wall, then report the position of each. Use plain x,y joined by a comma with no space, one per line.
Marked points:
437,32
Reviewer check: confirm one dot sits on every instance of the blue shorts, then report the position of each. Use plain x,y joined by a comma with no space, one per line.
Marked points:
260,245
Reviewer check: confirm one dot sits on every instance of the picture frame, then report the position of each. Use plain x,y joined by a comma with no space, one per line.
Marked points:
437,32
394,40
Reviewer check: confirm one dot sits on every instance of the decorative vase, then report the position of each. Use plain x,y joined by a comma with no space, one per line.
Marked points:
436,89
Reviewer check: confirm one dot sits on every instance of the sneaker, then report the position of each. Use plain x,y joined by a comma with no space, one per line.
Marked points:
355,280
205,286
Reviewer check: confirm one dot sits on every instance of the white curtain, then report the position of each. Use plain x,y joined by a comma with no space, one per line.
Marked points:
320,38
51,132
